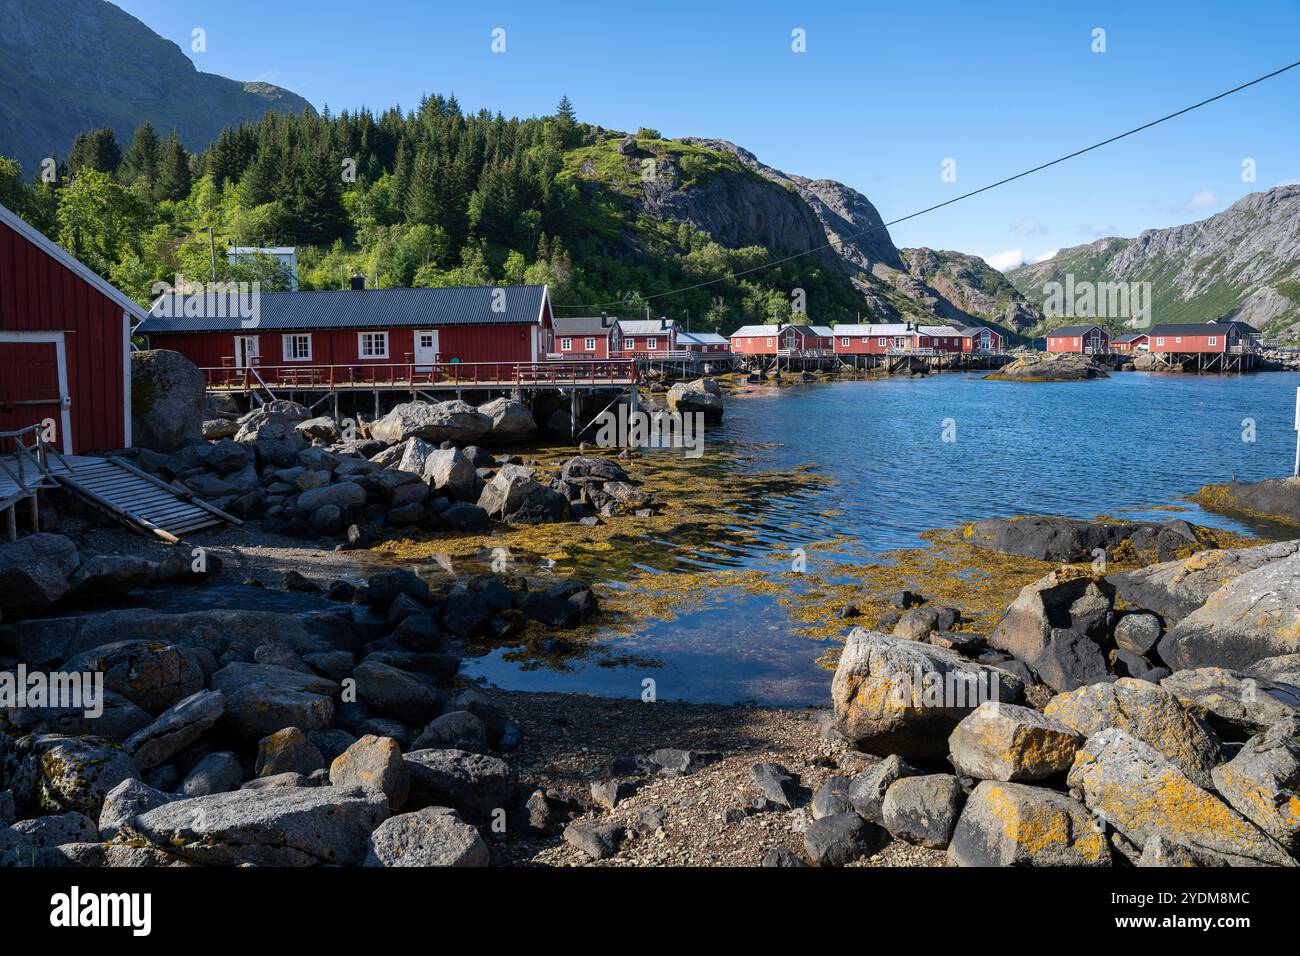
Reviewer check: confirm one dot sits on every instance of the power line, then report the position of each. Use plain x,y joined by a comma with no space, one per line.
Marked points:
948,202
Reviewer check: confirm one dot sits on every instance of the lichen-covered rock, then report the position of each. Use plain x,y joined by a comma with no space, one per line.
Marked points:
1233,702
511,420
1058,625
434,836
152,674
1143,795
703,396
373,763
453,421
1014,824
894,696
176,728
1148,712
287,751
475,784
1262,782
1007,742
277,826
128,799
924,809
34,572
1254,616
867,790
57,774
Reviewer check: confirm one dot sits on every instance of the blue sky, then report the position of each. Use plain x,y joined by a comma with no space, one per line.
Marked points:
882,96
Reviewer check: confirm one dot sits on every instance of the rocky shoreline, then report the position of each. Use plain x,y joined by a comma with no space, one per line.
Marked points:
283,696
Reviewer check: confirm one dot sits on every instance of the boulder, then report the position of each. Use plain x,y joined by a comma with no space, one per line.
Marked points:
598,840
1058,625
1051,367
1013,824
453,421
53,831
277,826
842,838
584,470
107,576
1254,616
511,421
832,797
506,492
176,728
1007,742
167,400
457,728
1142,795
323,429
34,572
287,751
1138,633
396,693
894,696
1275,498
776,783
373,763
218,772
1284,669
923,809
449,471
1150,713
434,836
54,774
1069,540
153,674
475,784
1237,705
128,799
867,790
1262,782
703,396
343,494
916,624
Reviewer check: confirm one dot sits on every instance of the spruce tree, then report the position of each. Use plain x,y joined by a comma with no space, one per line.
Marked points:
174,176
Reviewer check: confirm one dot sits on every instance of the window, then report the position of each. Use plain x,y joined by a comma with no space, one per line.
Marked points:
845,342
372,344
1214,340
589,344
1160,340
769,342
1076,343
566,344
1178,340
297,347
882,341
652,343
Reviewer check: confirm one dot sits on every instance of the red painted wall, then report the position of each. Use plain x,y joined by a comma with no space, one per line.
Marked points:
39,293
1066,343
970,343
579,350
1189,343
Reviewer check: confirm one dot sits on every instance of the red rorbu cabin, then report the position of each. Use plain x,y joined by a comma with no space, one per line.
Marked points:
980,338
774,340
1133,342
65,345
705,344
357,329
648,338
1084,339
1194,338
589,337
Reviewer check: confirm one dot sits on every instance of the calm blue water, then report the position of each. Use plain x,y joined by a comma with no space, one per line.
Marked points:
1134,441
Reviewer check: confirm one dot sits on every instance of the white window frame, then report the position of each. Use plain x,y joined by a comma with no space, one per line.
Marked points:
844,341
1178,340
651,343
589,344
1214,340
566,344
287,346
361,345
1160,340
769,343
882,341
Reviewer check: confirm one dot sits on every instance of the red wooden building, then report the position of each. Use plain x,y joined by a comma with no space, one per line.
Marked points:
1133,342
648,337
980,338
773,340
704,344
1086,339
589,337
1194,338
357,328
65,339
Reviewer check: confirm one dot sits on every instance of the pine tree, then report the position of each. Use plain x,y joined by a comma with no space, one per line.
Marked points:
97,150
174,175
565,110
143,157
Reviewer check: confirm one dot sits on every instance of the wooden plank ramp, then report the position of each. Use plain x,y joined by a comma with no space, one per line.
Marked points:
136,498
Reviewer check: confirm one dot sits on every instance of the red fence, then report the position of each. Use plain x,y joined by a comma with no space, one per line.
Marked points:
436,375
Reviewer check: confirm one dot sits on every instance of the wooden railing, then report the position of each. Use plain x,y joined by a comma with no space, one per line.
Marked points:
366,375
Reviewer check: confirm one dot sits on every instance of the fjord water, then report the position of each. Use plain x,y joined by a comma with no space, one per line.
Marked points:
903,456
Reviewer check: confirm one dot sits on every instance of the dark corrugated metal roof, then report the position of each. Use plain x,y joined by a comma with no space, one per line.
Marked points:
1131,337
1191,328
584,325
1074,329
360,309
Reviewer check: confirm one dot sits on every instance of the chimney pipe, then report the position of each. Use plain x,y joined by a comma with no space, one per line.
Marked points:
357,283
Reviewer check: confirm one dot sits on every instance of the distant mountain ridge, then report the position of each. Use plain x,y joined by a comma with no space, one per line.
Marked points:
67,66
1242,263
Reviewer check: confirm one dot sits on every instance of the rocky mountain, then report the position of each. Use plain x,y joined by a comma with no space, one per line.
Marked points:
964,287
1242,263
67,66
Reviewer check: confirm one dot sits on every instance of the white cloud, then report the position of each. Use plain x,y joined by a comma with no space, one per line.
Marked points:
1201,199
1045,256
1007,259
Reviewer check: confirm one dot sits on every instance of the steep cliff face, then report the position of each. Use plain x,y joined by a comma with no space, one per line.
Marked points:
1242,263
67,66
970,287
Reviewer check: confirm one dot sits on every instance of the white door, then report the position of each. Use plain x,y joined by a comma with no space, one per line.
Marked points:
246,352
426,350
